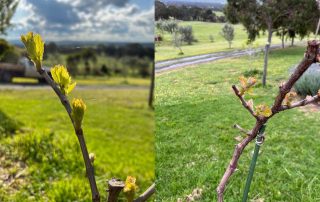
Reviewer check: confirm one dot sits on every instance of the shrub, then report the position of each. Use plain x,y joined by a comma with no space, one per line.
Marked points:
227,33
8,125
177,41
170,26
309,82
186,34
105,70
211,38
252,72
8,53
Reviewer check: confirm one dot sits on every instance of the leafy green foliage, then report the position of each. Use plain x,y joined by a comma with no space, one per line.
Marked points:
309,82
186,34
227,33
8,53
7,9
35,47
170,26
8,126
62,78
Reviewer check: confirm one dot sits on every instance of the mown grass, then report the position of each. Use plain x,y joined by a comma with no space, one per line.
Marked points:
96,80
202,31
195,112
118,128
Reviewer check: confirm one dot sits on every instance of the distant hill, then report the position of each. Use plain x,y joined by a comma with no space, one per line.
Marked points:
219,4
81,44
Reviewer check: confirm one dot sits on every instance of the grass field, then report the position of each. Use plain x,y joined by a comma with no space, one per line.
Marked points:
97,81
40,156
195,139
202,31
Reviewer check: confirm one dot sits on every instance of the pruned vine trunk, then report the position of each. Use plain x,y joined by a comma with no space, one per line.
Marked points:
312,55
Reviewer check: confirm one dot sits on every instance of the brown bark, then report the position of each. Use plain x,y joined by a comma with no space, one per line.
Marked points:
115,186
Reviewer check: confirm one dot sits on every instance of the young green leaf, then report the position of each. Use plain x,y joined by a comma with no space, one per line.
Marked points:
246,84
61,76
35,48
263,110
289,98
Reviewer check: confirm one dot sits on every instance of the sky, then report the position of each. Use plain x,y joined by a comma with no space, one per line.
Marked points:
85,20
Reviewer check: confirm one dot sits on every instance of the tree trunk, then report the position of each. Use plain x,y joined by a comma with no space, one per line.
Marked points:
292,41
151,92
266,54
282,38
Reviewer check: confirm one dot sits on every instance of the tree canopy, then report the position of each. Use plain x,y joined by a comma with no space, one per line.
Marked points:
7,9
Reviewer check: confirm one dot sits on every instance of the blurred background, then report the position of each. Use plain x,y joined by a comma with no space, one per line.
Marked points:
107,47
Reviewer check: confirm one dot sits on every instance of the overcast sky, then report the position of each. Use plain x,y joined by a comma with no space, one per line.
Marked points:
89,20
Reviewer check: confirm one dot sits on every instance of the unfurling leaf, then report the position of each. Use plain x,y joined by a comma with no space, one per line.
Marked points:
263,110
61,76
130,188
35,48
78,108
289,98
246,84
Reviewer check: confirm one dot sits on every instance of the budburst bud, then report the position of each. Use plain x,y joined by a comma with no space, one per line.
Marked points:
78,108
35,48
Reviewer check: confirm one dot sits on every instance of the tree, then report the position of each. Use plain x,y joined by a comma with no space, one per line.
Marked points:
256,16
177,41
186,34
7,9
303,22
227,33
170,26
161,11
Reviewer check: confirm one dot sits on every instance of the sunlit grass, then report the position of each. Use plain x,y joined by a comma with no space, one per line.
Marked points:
118,128
202,31
195,112
94,80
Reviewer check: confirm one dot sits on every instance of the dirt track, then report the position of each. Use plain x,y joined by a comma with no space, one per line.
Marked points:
193,60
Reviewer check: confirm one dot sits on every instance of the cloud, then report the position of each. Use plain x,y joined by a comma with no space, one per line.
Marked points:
109,20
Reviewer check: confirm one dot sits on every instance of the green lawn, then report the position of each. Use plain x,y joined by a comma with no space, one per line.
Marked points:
35,133
195,112
94,80
202,31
